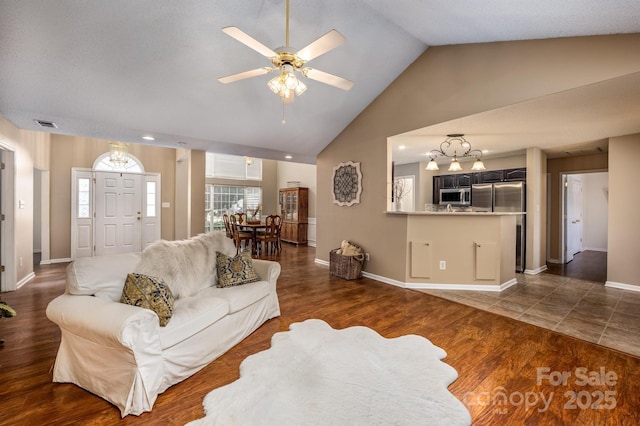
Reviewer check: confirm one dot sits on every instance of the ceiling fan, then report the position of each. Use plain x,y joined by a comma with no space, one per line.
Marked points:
287,85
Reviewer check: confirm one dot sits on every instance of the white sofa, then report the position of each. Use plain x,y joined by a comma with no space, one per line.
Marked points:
120,353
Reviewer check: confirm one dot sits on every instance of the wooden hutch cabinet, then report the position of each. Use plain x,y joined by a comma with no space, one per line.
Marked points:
294,207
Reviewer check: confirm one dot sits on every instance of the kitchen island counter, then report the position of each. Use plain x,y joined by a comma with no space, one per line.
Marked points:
460,250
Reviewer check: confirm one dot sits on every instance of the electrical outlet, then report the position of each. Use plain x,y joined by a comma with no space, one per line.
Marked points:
20,261
366,257
443,265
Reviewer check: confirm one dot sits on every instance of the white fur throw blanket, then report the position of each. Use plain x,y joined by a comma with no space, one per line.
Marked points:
186,266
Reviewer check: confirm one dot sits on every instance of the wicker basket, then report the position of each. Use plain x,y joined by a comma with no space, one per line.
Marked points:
347,267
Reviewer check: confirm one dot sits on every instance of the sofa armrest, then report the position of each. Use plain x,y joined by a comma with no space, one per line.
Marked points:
267,270
104,322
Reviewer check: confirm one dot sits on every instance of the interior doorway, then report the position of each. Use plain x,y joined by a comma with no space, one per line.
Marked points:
584,222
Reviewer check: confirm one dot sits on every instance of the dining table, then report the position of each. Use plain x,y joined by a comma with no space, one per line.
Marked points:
253,227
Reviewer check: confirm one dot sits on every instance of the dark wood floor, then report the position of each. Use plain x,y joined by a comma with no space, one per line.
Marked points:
587,265
493,355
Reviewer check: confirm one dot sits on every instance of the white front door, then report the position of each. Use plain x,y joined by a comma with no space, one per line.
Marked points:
118,209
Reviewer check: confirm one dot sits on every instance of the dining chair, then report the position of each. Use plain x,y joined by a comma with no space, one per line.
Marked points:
278,221
242,217
227,225
240,236
269,239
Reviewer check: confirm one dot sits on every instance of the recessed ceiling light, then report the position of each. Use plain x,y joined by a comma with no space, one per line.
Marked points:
401,147
148,138
288,157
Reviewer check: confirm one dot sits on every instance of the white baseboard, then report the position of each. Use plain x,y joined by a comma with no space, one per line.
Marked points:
25,280
465,287
432,286
595,249
622,286
536,271
384,279
321,262
52,261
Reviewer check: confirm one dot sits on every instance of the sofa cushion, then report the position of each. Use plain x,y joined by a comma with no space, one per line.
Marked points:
239,297
149,293
236,270
186,266
101,276
190,315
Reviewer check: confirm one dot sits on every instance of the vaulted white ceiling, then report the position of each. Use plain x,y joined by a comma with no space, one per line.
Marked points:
122,69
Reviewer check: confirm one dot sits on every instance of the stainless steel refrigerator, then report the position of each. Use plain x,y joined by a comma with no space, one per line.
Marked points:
504,197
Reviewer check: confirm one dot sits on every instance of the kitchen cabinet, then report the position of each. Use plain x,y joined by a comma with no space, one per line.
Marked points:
461,180
515,174
294,208
507,175
489,176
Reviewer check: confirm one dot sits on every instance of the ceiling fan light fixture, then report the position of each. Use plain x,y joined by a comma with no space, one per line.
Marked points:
287,84
300,88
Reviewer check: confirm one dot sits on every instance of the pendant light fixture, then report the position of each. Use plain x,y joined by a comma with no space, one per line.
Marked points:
454,142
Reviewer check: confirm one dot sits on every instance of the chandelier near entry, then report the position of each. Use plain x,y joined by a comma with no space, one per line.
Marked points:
118,154
465,151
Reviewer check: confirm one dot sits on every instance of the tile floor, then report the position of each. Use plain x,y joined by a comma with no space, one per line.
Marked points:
584,309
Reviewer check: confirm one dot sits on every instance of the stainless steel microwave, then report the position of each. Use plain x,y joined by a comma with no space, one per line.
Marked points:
456,196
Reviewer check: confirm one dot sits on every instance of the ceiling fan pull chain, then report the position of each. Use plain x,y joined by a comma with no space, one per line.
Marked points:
283,122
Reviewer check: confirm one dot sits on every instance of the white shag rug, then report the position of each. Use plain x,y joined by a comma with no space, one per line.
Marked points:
315,375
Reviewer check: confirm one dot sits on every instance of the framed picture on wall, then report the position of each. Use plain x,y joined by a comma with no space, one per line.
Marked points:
347,183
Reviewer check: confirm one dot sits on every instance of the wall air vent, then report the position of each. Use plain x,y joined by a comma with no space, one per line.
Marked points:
44,123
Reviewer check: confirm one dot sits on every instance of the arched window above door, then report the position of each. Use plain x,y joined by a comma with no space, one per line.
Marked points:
103,163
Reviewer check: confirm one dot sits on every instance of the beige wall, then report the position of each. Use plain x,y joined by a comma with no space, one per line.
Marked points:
444,83
75,151
623,259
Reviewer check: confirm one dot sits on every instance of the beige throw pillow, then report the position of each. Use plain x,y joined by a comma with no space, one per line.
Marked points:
149,293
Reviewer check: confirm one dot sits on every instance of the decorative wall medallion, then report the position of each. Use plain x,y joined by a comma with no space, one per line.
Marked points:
347,183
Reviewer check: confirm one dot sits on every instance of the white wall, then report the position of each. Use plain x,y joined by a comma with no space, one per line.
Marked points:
595,187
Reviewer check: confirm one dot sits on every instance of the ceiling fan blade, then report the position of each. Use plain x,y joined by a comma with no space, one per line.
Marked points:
326,78
243,75
247,40
327,42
